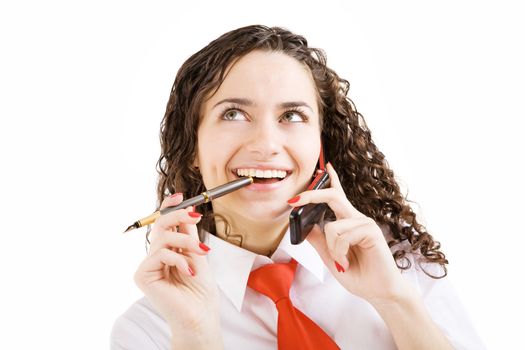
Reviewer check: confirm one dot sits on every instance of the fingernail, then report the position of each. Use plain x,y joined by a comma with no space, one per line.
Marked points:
194,214
339,267
176,194
191,271
294,199
204,247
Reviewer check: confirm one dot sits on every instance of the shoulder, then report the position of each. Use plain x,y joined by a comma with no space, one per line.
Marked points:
140,327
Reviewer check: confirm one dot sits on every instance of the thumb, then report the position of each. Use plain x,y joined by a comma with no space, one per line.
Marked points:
172,200
317,239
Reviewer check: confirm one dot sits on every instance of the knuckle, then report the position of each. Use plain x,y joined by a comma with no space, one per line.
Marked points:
340,244
182,215
371,223
172,219
160,238
182,241
330,228
165,254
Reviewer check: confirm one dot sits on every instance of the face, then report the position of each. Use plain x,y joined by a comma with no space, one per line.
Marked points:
264,119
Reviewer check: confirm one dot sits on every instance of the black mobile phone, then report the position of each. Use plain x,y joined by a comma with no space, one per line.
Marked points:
303,218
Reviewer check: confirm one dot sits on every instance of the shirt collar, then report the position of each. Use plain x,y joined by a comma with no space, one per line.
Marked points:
231,265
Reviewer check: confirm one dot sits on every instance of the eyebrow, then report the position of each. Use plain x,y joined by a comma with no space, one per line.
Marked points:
247,102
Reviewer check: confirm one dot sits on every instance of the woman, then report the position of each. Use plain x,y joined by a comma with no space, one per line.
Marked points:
368,277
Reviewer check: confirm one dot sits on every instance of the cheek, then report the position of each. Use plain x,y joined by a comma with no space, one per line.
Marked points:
214,154
306,147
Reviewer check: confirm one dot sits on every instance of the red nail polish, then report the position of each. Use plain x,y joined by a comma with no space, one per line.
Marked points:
294,199
191,271
204,247
194,214
339,267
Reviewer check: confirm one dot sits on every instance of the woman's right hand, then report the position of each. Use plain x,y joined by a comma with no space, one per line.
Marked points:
176,278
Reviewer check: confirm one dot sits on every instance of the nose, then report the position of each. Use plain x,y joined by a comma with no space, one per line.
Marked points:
264,139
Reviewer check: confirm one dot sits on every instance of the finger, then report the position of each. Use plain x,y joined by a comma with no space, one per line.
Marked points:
190,228
360,232
169,201
169,223
331,231
317,239
172,200
171,220
334,230
334,197
334,178
180,243
156,263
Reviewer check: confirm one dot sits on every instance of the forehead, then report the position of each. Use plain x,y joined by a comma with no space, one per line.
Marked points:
267,77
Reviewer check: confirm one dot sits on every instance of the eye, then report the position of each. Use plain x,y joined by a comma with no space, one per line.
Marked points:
232,114
294,116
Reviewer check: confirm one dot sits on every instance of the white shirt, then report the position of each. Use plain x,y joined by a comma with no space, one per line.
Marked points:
249,319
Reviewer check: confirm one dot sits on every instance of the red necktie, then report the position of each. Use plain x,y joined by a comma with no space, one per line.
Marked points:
294,329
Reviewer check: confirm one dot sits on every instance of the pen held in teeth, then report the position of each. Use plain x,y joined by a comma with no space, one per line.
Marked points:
204,197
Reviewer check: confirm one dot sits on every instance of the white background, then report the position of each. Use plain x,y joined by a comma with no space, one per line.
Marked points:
83,88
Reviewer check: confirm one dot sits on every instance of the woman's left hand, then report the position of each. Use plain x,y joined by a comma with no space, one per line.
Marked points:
355,242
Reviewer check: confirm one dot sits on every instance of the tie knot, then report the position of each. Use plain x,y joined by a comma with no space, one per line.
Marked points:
273,280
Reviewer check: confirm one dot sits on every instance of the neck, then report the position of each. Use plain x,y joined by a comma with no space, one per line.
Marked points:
258,237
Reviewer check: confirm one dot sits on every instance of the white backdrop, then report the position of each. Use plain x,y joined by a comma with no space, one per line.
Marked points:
83,88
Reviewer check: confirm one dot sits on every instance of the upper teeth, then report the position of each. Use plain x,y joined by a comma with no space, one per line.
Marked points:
262,173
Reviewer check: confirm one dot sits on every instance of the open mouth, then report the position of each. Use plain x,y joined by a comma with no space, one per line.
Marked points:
264,180
258,180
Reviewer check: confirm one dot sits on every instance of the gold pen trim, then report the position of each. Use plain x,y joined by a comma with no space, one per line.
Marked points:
149,219
206,196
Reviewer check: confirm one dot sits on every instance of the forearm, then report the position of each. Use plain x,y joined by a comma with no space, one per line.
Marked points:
410,323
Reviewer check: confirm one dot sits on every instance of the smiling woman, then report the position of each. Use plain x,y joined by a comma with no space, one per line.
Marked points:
252,122
259,101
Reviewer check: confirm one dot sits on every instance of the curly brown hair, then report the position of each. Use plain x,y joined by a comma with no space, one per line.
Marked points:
364,173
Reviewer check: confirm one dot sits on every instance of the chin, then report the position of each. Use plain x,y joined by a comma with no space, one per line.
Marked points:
264,212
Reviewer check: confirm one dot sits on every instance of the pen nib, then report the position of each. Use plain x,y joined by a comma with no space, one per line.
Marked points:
132,227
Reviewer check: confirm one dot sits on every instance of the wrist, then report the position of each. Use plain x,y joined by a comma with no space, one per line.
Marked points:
201,337
391,308
402,295
410,324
